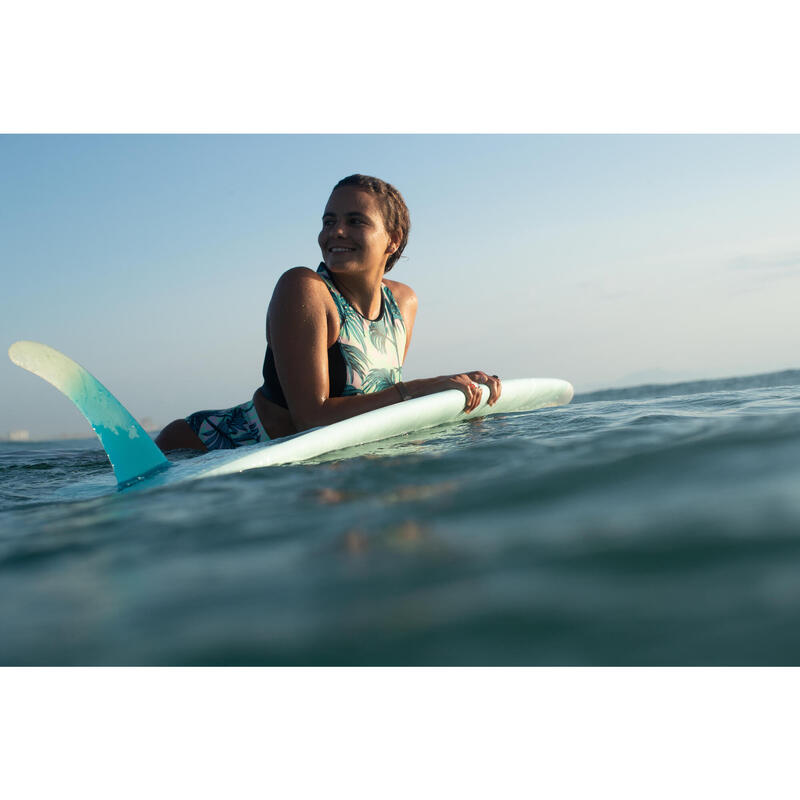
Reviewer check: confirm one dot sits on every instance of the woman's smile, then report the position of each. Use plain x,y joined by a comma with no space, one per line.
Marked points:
353,230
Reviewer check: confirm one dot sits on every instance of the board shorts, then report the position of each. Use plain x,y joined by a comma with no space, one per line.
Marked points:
228,428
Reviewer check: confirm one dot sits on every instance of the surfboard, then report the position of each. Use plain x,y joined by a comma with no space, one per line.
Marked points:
138,462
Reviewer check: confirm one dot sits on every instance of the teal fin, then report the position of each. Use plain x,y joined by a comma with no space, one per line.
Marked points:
133,454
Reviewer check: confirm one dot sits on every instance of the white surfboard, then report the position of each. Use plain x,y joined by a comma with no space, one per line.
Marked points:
138,461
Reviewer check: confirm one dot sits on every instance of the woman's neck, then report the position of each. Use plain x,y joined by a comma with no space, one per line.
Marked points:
363,292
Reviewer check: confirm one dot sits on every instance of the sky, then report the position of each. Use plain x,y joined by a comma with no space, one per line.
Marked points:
605,260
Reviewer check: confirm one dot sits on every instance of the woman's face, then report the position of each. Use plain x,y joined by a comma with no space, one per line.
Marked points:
353,236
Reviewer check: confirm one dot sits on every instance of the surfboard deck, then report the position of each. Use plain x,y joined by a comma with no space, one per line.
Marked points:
138,462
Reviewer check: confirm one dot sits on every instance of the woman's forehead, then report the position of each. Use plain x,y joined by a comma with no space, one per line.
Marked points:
352,198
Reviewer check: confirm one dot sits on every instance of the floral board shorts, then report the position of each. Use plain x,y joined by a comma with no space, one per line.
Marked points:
228,428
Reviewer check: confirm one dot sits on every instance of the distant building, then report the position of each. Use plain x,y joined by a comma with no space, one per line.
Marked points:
19,436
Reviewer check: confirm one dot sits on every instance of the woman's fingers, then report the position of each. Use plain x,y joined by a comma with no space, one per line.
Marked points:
469,384
477,395
468,387
492,381
471,392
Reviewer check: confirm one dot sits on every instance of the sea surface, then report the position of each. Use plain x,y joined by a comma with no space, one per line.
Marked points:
657,525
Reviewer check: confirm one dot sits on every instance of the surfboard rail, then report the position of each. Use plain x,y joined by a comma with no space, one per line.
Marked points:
522,394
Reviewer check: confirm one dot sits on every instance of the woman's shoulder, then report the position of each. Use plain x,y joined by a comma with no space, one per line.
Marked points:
300,287
402,292
299,276
406,299
299,281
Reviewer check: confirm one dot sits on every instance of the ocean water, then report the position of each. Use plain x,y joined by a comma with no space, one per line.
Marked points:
658,525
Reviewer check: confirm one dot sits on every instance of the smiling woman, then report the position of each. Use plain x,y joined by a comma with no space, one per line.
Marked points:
336,338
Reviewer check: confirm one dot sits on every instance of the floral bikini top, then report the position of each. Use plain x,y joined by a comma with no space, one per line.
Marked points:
368,355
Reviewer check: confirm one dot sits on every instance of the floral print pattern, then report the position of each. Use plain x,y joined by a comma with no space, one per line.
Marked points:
228,428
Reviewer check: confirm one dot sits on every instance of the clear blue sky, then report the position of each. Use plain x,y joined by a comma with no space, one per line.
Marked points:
599,259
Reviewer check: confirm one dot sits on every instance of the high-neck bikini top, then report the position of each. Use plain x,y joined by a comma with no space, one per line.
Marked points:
368,355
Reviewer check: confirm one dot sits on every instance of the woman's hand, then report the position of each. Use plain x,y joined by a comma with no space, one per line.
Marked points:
465,382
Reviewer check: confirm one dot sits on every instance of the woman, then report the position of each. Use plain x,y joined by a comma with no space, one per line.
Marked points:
336,338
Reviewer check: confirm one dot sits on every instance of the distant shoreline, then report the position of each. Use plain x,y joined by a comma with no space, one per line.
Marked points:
60,437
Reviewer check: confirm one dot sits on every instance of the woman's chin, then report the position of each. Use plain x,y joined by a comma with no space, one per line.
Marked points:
338,264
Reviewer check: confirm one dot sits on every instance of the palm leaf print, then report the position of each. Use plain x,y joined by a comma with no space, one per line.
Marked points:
398,327
341,305
397,317
378,335
352,328
377,380
216,441
355,359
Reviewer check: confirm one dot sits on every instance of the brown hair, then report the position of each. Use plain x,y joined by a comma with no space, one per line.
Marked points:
393,209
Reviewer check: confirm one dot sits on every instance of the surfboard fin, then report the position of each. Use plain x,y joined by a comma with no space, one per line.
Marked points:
132,453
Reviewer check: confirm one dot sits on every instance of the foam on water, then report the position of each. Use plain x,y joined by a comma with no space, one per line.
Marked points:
659,525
